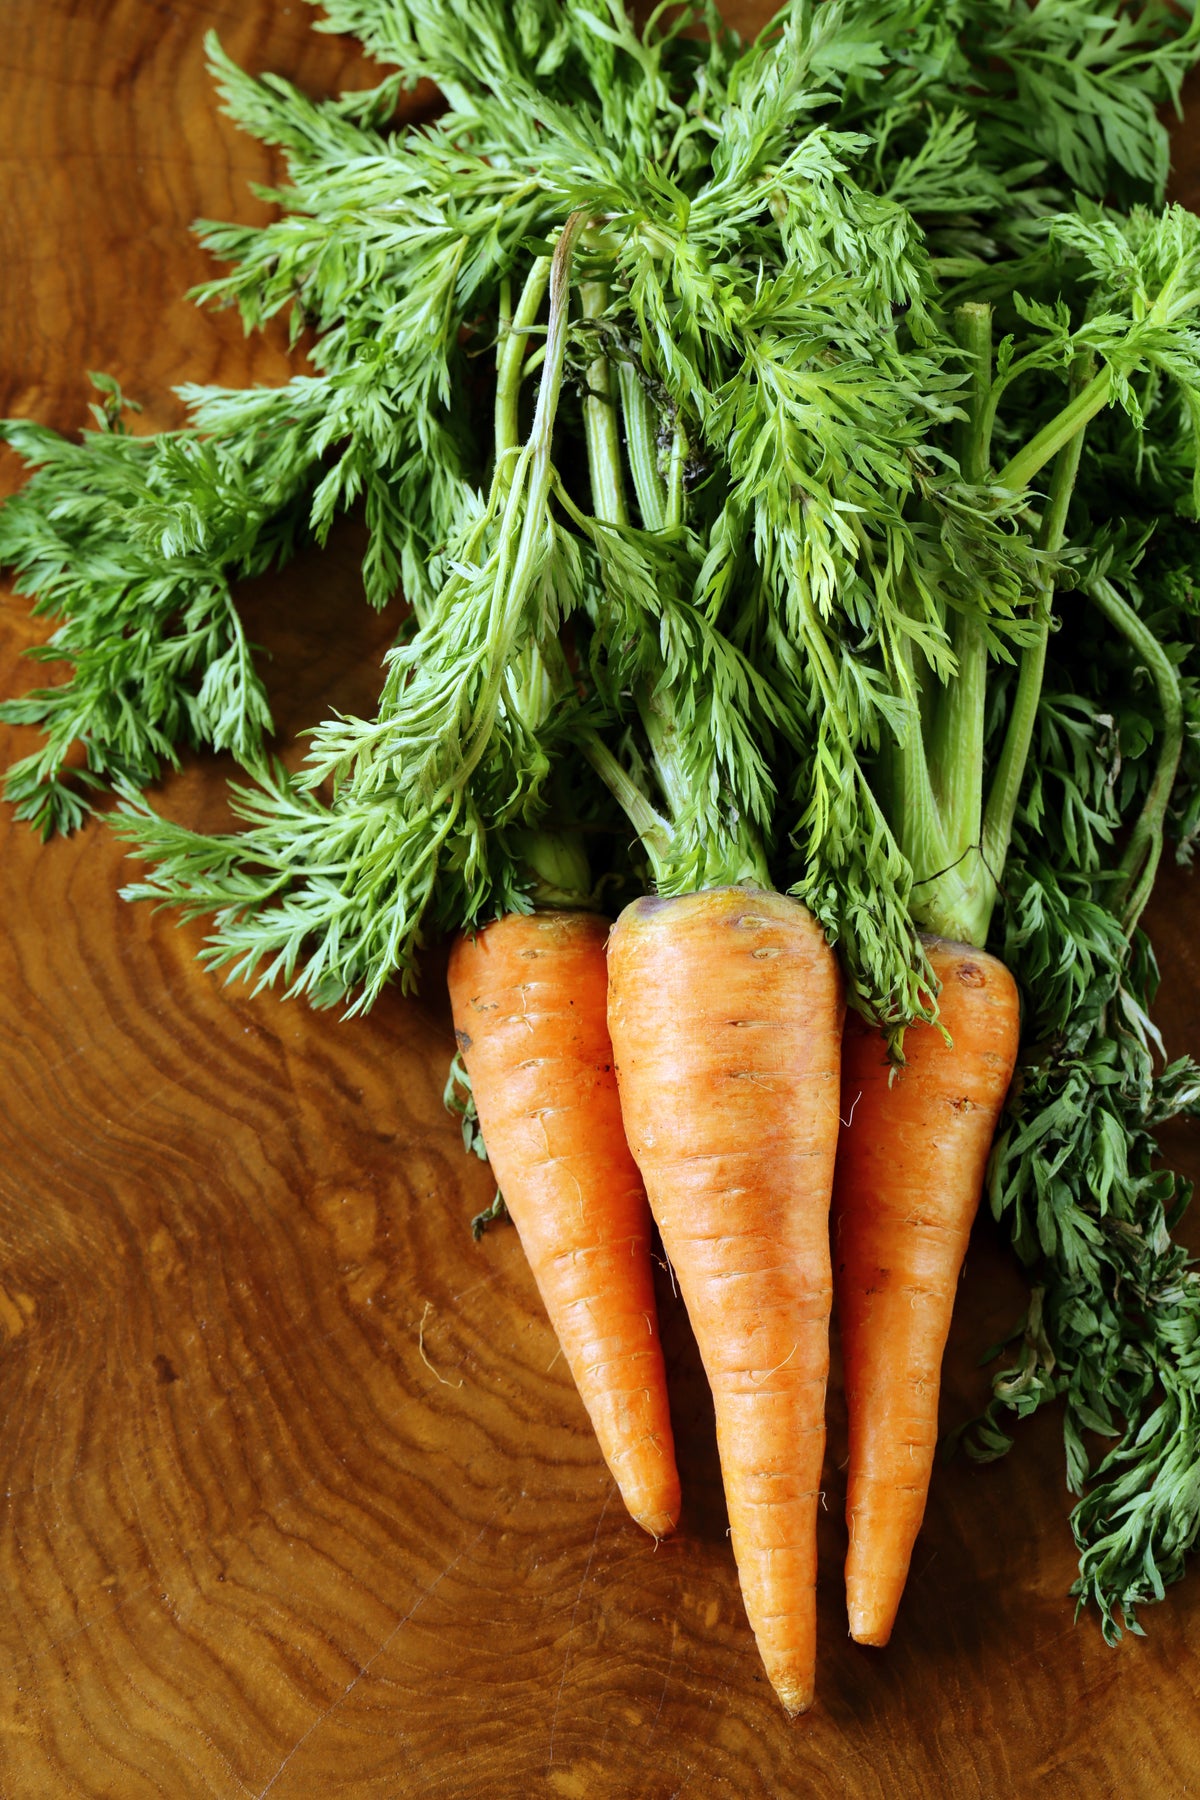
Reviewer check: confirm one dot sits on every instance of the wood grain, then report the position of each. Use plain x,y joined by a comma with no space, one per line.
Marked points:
297,1499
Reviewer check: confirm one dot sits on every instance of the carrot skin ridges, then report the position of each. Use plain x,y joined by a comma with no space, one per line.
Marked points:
910,1172
529,997
725,1009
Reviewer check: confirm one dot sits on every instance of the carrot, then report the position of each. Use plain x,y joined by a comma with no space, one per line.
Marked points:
910,1172
726,1010
528,995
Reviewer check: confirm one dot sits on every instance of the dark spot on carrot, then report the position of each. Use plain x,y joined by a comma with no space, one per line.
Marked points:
164,1370
963,1104
463,1041
971,975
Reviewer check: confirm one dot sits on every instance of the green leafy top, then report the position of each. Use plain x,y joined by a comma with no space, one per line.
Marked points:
397,248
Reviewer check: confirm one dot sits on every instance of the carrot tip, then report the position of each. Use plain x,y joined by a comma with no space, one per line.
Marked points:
658,1524
866,1627
796,1696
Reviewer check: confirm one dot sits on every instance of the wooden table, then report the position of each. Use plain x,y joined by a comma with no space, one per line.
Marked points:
297,1498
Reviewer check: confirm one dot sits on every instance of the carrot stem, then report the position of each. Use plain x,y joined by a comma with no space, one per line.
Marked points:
600,419
936,773
641,436
739,857
1139,864
558,863
1061,430
538,674
650,826
510,368
675,473
524,511
956,750
1010,769
958,856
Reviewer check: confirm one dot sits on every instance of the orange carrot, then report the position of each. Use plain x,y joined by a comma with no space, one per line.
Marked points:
726,1010
529,997
910,1172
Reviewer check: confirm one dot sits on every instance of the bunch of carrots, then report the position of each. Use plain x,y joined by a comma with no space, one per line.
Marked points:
690,1067
698,1049
739,422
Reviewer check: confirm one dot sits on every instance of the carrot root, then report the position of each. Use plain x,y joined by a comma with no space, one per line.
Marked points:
910,1171
725,1009
529,996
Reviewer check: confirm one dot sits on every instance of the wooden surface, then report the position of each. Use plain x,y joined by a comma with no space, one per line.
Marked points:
296,1498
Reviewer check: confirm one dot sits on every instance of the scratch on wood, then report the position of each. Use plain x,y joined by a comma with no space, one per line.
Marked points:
384,1647
666,1678
587,1569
